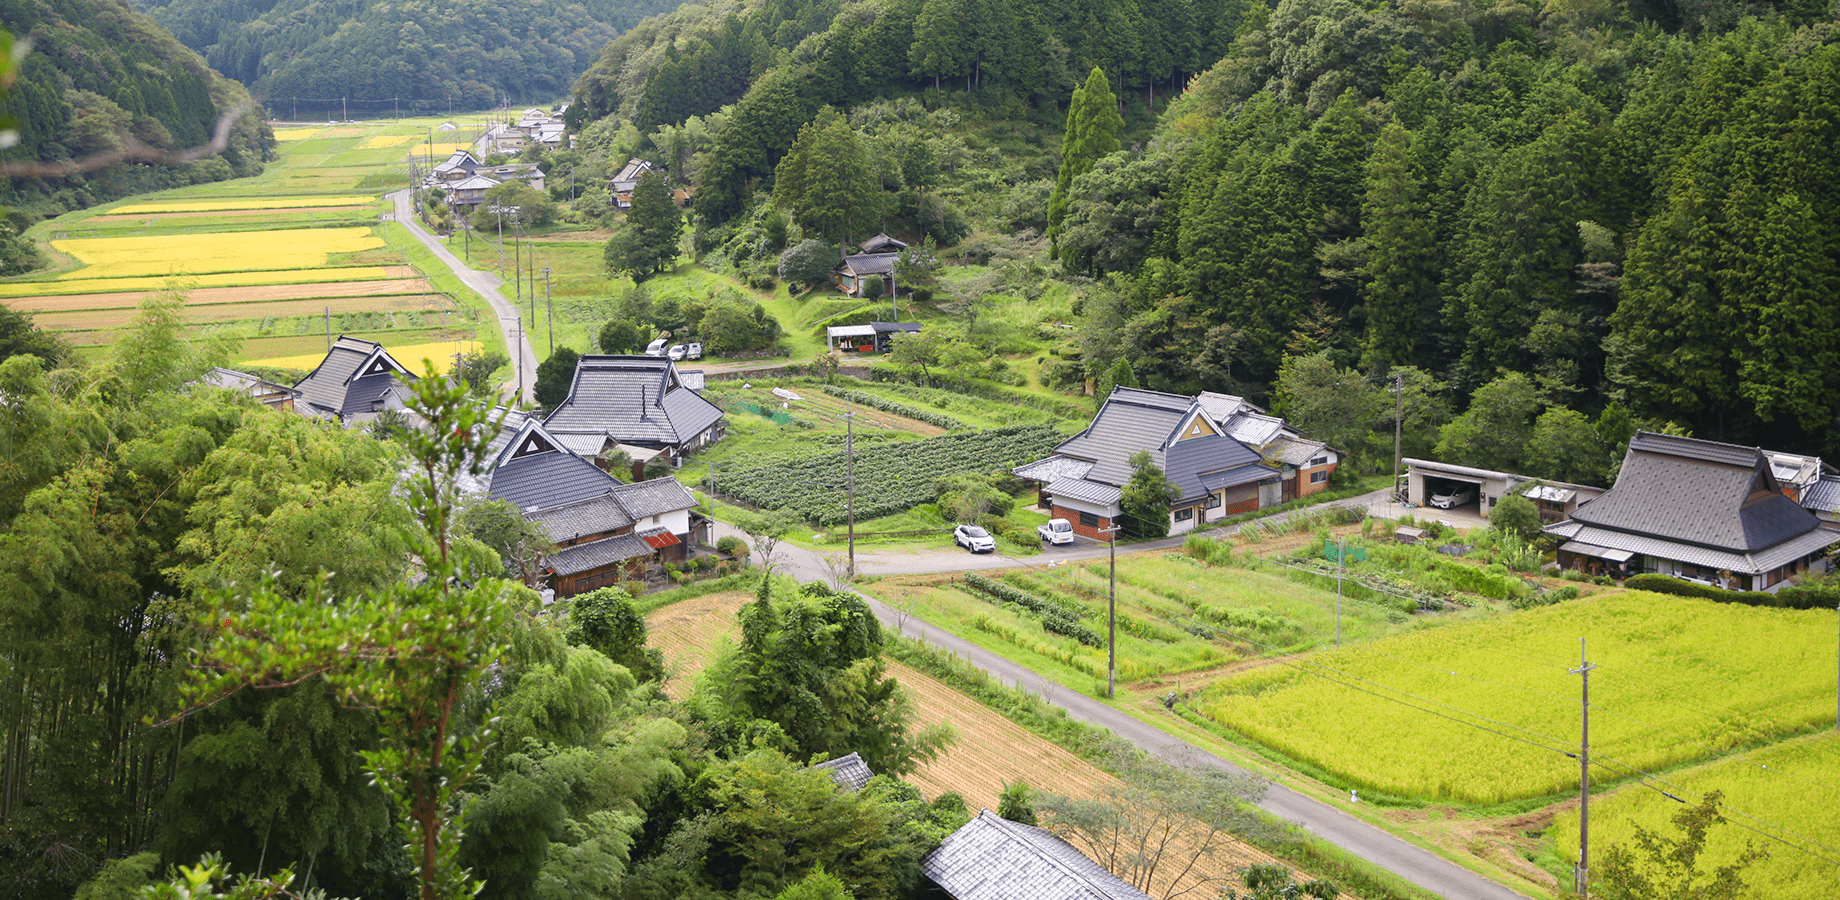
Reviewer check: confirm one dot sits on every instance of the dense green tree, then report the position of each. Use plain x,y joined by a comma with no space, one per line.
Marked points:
1564,446
1146,498
18,336
1494,431
606,621
1399,279
555,376
1516,515
1093,124
529,206
647,242
826,182
809,667
1333,404
1667,866
621,336
808,263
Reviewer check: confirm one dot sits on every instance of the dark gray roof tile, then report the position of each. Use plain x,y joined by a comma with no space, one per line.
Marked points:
654,497
1719,496
992,858
850,772
634,399
597,554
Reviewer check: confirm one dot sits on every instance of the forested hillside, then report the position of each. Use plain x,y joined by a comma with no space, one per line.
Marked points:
427,55
98,72
1610,211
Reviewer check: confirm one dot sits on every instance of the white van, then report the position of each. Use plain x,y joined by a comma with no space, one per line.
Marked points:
655,348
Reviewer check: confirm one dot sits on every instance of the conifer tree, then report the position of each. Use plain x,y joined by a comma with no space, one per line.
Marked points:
1093,124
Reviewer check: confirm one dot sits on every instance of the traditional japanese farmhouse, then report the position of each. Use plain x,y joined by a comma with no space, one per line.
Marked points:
637,404
1721,514
263,391
357,380
1218,474
992,858
856,270
603,531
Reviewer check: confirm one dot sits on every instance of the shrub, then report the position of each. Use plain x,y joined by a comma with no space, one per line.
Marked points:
634,589
1788,598
730,545
1529,601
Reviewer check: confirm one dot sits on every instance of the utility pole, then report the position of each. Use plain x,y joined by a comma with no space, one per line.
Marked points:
549,308
1581,876
517,352
1341,565
1111,615
1399,414
849,455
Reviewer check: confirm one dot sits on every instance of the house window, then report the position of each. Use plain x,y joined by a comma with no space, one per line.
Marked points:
1213,501
1089,520
1318,477
1322,460
1185,514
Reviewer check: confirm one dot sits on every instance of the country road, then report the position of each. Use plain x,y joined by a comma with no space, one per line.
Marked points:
1413,863
510,323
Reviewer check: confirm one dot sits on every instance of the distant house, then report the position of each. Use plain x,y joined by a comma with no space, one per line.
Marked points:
458,167
470,192
634,403
263,391
602,531
357,380
855,271
525,172
992,858
1218,474
1721,514
1304,464
881,243
621,187
877,337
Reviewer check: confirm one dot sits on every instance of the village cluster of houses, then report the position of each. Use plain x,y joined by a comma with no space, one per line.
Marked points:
1722,514
606,527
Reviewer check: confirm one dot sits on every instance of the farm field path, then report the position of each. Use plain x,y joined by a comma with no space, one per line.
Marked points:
990,749
524,360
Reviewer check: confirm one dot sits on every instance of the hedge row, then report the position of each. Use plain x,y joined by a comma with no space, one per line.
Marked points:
1054,617
1794,597
900,409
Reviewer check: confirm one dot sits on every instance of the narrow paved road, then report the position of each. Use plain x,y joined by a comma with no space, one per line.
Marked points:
510,322
1415,864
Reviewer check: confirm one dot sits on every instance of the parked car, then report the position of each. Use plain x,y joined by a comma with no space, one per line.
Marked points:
655,348
1454,497
675,353
1057,531
973,538
695,350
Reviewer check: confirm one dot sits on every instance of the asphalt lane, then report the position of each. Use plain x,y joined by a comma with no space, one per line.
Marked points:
524,366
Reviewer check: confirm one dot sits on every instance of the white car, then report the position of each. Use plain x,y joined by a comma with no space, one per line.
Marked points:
973,538
1454,497
1057,531
676,352
655,348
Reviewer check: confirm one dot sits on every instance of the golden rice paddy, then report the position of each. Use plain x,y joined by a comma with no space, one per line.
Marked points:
178,206
296,134
186,282
441,353
191,254
384,141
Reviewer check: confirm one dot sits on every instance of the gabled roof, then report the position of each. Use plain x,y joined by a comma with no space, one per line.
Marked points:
655,497
357,377
992,858
597,554
1211,462
634,399
849,772
1252,428
572,520
869,263
534,472
475,183
1824,495
1132,419
1221,406
1704,493
881,244
461,160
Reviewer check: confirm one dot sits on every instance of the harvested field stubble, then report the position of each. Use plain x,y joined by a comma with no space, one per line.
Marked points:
225,295
248,203
234,312
151,284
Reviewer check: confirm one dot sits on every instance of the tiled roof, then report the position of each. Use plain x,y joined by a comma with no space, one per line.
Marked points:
1222,406
1719,496
1131,420
476,183
1088,491
850,772
1253,428
1753,563
992,858
597,554
533,472
1217,455
634,399
1134,420
1293,452
244,383
654,497
870,263
354,378
572,520
1824,495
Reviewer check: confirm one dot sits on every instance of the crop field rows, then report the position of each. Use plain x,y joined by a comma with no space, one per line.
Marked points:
990,749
